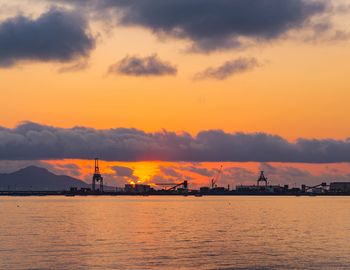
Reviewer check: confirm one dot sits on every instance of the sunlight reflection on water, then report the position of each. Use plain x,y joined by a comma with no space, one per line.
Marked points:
175,233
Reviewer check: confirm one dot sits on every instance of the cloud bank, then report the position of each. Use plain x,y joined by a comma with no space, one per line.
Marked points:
31,141
142,66
57,35
212,25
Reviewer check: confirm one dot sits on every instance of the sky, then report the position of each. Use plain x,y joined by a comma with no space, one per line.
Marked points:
168,90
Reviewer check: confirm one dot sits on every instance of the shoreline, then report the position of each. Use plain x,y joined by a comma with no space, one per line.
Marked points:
160,193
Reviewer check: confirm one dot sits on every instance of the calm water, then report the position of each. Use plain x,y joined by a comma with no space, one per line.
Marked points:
175,233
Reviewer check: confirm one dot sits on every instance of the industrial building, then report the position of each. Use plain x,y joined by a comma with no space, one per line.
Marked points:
137,188
339,187
261,186
267,189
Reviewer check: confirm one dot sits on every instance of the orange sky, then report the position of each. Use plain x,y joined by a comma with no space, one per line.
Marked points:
301,89
233,173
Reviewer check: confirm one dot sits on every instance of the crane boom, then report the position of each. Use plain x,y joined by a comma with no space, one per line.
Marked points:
184,184
215,179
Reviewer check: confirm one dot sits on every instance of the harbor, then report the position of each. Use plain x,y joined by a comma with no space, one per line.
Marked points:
262,187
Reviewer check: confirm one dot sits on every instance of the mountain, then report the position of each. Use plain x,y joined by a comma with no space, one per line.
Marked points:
38,179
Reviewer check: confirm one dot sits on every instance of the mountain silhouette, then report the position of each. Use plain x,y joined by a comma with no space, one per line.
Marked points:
34,178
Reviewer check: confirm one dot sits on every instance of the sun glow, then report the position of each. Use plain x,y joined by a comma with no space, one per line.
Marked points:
199,174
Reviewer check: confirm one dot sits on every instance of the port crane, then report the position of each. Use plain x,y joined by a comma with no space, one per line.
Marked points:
262,178
183,184
216,178
97,177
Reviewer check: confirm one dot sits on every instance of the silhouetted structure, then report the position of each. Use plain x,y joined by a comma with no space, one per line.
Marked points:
320,188
137,188
216,178
97,177
340,187
262,178
41,182
174,186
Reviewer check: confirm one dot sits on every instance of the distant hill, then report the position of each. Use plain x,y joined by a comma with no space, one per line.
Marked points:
38,179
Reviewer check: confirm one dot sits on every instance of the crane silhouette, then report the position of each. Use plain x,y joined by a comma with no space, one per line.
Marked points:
97,177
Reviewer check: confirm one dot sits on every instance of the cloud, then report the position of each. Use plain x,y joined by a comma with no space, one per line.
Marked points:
143,66
342,8
228,69
198,170
213,25
57,35
287,172
78,66
70,169
169,171
123,171
162,179
122,175
31,141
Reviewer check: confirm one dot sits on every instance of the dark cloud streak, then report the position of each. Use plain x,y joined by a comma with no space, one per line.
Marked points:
30,141
142,66
228,69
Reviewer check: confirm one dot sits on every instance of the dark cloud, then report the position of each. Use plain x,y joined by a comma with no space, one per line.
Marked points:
57,35
162,179
62,169
123,171
37,142
74,67
169,171
228,69
198,170
237,175
143,66
287,172
212,25
121,175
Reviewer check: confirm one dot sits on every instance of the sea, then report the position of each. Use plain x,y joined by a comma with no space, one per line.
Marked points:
174,232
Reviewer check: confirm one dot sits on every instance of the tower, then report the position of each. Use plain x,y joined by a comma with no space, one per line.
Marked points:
97,177
262,178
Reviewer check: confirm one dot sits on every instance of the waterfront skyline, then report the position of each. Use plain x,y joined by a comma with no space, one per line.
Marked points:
194,72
